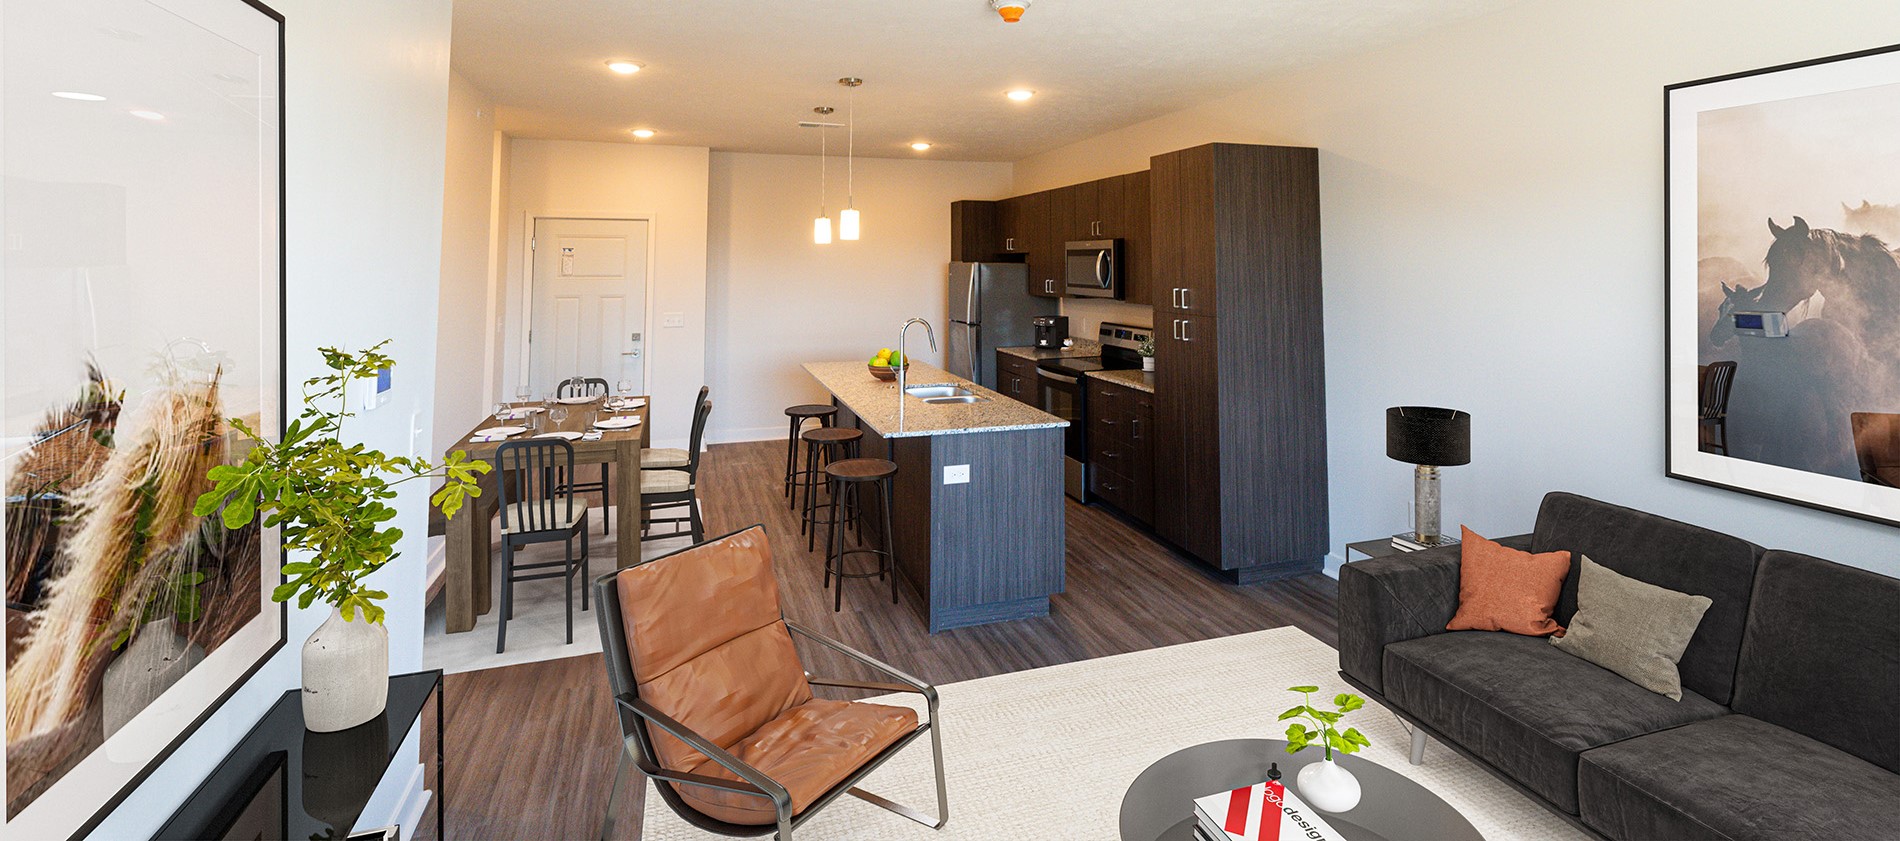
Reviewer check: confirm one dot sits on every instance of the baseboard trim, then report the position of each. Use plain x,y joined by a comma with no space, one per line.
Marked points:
1333,563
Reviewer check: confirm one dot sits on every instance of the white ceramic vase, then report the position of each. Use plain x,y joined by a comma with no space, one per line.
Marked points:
1328,787
1147,363
345,673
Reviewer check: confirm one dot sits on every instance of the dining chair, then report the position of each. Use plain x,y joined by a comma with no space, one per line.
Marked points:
1877,447
677,487
1716,381
716,708
671,458
590,387
534,509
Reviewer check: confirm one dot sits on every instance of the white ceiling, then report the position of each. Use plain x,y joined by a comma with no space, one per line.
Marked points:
739,74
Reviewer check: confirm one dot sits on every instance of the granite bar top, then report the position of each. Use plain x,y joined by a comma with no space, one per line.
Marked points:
875,402
1134,378
1082,347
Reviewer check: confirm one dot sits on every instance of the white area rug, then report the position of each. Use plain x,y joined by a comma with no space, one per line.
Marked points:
1047,753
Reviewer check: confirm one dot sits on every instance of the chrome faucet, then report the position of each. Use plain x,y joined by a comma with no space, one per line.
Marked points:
903,380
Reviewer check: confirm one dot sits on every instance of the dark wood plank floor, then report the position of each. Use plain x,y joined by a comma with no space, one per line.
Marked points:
531,748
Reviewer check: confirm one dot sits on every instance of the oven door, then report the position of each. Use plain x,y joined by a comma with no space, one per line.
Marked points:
1090,269
1062,396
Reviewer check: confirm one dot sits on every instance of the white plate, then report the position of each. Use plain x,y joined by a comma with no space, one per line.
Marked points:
562,434
500,431
629,403
617,423
524,411
576,401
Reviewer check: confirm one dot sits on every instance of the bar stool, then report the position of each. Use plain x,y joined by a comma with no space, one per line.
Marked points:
823,445
847,477
799,414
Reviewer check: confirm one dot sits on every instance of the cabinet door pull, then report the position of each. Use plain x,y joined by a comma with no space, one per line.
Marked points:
1185,336
1186,302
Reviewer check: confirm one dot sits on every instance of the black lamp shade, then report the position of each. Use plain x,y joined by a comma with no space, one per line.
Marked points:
1428,435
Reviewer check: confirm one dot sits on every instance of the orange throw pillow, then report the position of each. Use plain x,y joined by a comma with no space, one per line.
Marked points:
1504,589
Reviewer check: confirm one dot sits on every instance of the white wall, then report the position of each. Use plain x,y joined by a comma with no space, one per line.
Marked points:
1492,210
468,298
776,300
663,184
367,87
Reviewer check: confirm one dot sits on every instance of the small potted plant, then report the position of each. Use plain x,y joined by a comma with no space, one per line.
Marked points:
1324,784
330,501
1147,351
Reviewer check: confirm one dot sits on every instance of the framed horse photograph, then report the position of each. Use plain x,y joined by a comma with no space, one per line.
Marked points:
1783,290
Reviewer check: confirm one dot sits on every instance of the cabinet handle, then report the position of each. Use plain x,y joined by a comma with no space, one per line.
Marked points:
1177,297
1177,329
1186,302
1134,427
1009,243
1184,333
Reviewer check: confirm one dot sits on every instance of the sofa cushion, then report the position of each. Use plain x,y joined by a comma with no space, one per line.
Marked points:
1735,777
1634,629
1822,655
1525,707
1666,553
1505,589
808,749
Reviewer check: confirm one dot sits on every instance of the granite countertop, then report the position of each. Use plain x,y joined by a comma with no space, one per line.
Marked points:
875,402
1082,347
1134,378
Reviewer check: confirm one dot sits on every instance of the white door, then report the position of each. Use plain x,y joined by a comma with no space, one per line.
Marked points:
589,308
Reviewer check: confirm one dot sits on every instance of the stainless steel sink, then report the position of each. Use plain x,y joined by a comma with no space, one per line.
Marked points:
929,392
957,398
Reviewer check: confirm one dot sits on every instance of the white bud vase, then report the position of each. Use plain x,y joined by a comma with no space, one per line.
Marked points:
345,673
1328,787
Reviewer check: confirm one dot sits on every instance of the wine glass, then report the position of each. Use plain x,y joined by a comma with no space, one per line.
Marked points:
501,412
558,414
524,394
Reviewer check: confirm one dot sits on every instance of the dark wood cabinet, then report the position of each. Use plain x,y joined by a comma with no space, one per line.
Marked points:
1240,404
1016,377
1130,224
1121,448
1011,217
973,232
1043,249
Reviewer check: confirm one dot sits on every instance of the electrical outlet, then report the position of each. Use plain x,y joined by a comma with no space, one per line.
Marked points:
673,319
956,474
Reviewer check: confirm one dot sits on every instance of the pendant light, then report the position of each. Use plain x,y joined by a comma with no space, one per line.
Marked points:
848,218
821,226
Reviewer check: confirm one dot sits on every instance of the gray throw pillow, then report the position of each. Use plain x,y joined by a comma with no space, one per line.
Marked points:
1635,629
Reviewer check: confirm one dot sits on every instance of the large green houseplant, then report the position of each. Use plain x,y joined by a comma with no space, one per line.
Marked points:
331,502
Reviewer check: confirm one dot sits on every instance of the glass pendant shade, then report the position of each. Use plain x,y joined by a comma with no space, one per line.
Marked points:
848,224
821,230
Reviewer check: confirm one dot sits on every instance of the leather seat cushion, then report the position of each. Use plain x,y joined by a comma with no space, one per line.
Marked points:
1525,707
1735,777
663,457
522,514
808,749
664,481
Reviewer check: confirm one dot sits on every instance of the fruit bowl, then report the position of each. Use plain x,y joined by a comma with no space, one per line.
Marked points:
884,372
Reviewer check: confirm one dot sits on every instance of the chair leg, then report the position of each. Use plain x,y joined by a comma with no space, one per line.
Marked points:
567,588
837,528
1418,746
507,595
890,546
791,463
606,498
698,525
613,796
586,574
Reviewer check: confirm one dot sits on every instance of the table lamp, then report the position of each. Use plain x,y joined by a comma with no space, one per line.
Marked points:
1430,438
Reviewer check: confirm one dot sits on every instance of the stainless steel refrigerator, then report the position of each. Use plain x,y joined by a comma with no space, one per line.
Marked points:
990,307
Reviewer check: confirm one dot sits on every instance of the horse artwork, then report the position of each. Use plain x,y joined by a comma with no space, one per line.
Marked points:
1783,214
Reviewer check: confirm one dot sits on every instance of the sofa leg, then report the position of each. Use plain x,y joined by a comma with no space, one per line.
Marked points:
1418,745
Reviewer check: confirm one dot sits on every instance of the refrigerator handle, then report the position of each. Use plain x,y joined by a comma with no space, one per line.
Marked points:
969,300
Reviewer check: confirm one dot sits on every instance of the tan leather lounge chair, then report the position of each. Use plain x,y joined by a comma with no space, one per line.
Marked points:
715,706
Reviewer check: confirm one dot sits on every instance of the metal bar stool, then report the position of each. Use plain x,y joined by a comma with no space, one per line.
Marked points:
846,477
823,446
799,414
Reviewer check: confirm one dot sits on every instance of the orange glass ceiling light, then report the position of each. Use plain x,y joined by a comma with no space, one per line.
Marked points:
1011,10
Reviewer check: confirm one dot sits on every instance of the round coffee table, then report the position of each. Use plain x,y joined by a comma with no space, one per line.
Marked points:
1160,804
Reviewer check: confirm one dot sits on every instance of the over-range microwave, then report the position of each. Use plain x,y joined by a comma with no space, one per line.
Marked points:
1092,269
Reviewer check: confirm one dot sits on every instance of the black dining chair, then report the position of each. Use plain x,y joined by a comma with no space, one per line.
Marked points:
674,488
1717,380
590,387
671,458
534,509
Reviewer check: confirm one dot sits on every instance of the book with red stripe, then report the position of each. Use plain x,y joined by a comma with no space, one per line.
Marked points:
1261,812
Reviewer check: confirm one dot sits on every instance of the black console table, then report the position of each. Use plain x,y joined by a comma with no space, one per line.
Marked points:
285,782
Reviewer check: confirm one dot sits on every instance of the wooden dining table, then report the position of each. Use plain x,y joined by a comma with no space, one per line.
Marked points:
467,581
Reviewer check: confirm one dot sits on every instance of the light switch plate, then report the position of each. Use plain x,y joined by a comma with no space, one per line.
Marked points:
956,474
673,319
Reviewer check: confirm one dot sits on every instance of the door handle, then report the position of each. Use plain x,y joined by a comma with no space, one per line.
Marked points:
1101,269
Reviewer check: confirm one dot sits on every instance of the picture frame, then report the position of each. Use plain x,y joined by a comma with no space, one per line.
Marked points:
1782,345
144,273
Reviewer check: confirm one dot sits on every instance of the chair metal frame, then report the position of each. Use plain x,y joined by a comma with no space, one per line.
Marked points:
1718,380
650,502
521,466
636,716
580,387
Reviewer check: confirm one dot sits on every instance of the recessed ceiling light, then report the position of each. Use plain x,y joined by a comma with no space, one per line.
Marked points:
146,115
920,146
624,68
82,97
1020,94
643,133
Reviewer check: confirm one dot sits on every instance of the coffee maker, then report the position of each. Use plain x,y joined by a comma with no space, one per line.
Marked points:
1052,331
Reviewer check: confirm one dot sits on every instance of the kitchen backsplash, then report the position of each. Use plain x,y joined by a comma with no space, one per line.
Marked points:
1087,314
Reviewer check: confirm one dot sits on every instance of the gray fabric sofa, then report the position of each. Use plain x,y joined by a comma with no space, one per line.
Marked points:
1789,723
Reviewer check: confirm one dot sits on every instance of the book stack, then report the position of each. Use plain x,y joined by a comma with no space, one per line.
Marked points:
1408,542
1261,812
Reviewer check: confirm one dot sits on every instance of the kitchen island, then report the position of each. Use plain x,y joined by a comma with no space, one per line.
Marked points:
984,550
